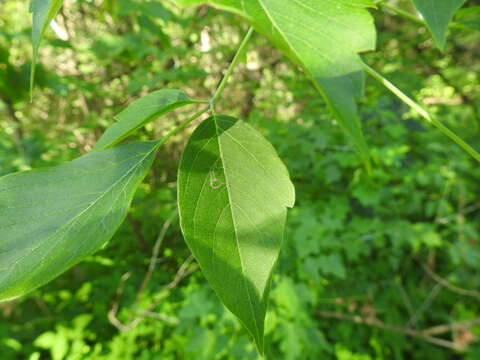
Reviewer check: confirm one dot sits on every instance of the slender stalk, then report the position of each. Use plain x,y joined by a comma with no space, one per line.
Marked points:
233,64
403,13
217,93
32,76
154,257
182,126
422,112
372,321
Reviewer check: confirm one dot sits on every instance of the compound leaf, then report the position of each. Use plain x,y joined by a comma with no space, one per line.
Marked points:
52,219
141,112
233,195
438,15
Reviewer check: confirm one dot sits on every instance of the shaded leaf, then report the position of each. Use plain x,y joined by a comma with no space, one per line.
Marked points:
233,194
468,18
438,15
332,264
140,113
156,9
52,219
43,12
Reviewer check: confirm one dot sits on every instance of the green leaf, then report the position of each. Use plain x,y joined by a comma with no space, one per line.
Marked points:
324,37
52,219
57,343
43,13
141,112
468,18
438,14
332,264
233,194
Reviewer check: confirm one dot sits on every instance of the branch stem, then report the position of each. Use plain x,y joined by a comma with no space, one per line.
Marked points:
233,64
422,112
445,283
182,126
405,331
403,13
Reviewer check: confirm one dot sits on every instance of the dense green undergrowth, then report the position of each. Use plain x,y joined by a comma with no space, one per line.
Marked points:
397,250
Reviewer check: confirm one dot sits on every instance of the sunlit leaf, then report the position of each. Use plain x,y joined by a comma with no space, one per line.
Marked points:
233,195
52,219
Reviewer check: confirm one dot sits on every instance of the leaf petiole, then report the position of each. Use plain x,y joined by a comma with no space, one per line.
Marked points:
182,126
403,13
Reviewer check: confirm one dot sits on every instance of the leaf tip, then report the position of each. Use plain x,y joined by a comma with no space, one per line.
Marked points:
441,44
260,344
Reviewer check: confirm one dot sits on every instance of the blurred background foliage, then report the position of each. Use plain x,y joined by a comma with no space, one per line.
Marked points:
373,268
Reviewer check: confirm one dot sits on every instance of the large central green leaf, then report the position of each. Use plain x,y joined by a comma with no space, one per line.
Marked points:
233,195
52,219
325,38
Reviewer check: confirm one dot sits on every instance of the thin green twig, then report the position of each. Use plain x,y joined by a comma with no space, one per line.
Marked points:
422,112
233,64
182,125
403,13
217,93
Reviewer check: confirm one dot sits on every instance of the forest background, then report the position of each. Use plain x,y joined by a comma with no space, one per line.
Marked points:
373,267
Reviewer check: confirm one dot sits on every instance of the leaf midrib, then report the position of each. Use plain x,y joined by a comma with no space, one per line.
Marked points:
76,217
230,203
83,172
292,49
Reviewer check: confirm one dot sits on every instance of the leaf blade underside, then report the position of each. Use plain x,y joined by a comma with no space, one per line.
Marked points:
437,15
140,112
233,195
52,219
325,38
